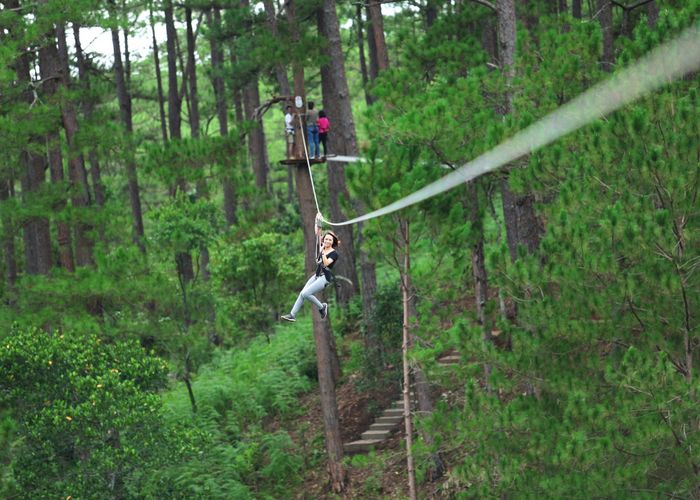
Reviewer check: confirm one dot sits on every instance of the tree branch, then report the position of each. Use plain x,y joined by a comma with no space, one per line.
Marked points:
629,7
262,109
488,4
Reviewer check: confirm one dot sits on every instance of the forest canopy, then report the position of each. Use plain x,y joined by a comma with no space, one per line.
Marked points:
158,218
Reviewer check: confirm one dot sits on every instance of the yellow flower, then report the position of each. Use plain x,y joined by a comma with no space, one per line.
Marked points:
69,418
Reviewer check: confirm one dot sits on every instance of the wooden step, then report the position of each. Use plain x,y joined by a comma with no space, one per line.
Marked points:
393,412
399,404
375,435
394,420
361,445
383,427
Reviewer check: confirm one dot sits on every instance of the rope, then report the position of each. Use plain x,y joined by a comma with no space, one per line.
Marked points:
308,165
661,66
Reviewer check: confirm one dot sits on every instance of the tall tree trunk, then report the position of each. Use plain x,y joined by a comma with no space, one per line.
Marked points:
126,117
36,234
336,97
652,13
324,355
522,225
183,260
431,13
35,229
422,386
192,76
77,174
405,345
48,65
282,80
174,99
88,110
257,149
605,18
371,48
202,189
376,32
8,233
576,9
159,78
217,62
280,71
65,242
359,24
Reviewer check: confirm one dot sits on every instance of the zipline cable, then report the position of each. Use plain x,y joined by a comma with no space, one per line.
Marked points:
659,67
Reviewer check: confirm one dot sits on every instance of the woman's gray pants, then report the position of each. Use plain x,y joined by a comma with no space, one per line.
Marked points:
314,285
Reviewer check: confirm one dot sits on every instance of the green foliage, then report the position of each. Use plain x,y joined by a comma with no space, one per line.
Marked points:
256,277
86,412
185,224
8,484
235,393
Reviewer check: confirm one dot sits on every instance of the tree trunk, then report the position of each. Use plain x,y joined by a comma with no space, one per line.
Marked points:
324,354
336,97
48,65
431,13
183,260
217,62
522,226
202,189
605,18
371,48
77,174
37,239
257,150
376,24
652,13
159,78
192,76
405,344
481,291
126,117
361,49
280,71
8,234
88,110
174,99
422,386
576,9
65,242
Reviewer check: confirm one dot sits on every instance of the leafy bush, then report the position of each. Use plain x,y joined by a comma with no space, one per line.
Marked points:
86,412
257,279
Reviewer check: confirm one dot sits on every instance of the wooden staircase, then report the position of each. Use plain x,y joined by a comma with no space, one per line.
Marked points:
390,419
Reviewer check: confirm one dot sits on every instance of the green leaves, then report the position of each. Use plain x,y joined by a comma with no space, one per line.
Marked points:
86,411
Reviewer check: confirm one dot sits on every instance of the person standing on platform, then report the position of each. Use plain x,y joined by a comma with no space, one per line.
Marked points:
312,131
289,131
323,127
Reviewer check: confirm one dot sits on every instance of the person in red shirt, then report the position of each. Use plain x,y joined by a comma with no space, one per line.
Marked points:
323,127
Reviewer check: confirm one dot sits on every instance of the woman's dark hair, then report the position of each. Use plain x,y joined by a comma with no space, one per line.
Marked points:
321,114
336,241
311,105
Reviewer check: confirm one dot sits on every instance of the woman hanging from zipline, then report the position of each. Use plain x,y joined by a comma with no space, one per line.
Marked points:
326,257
